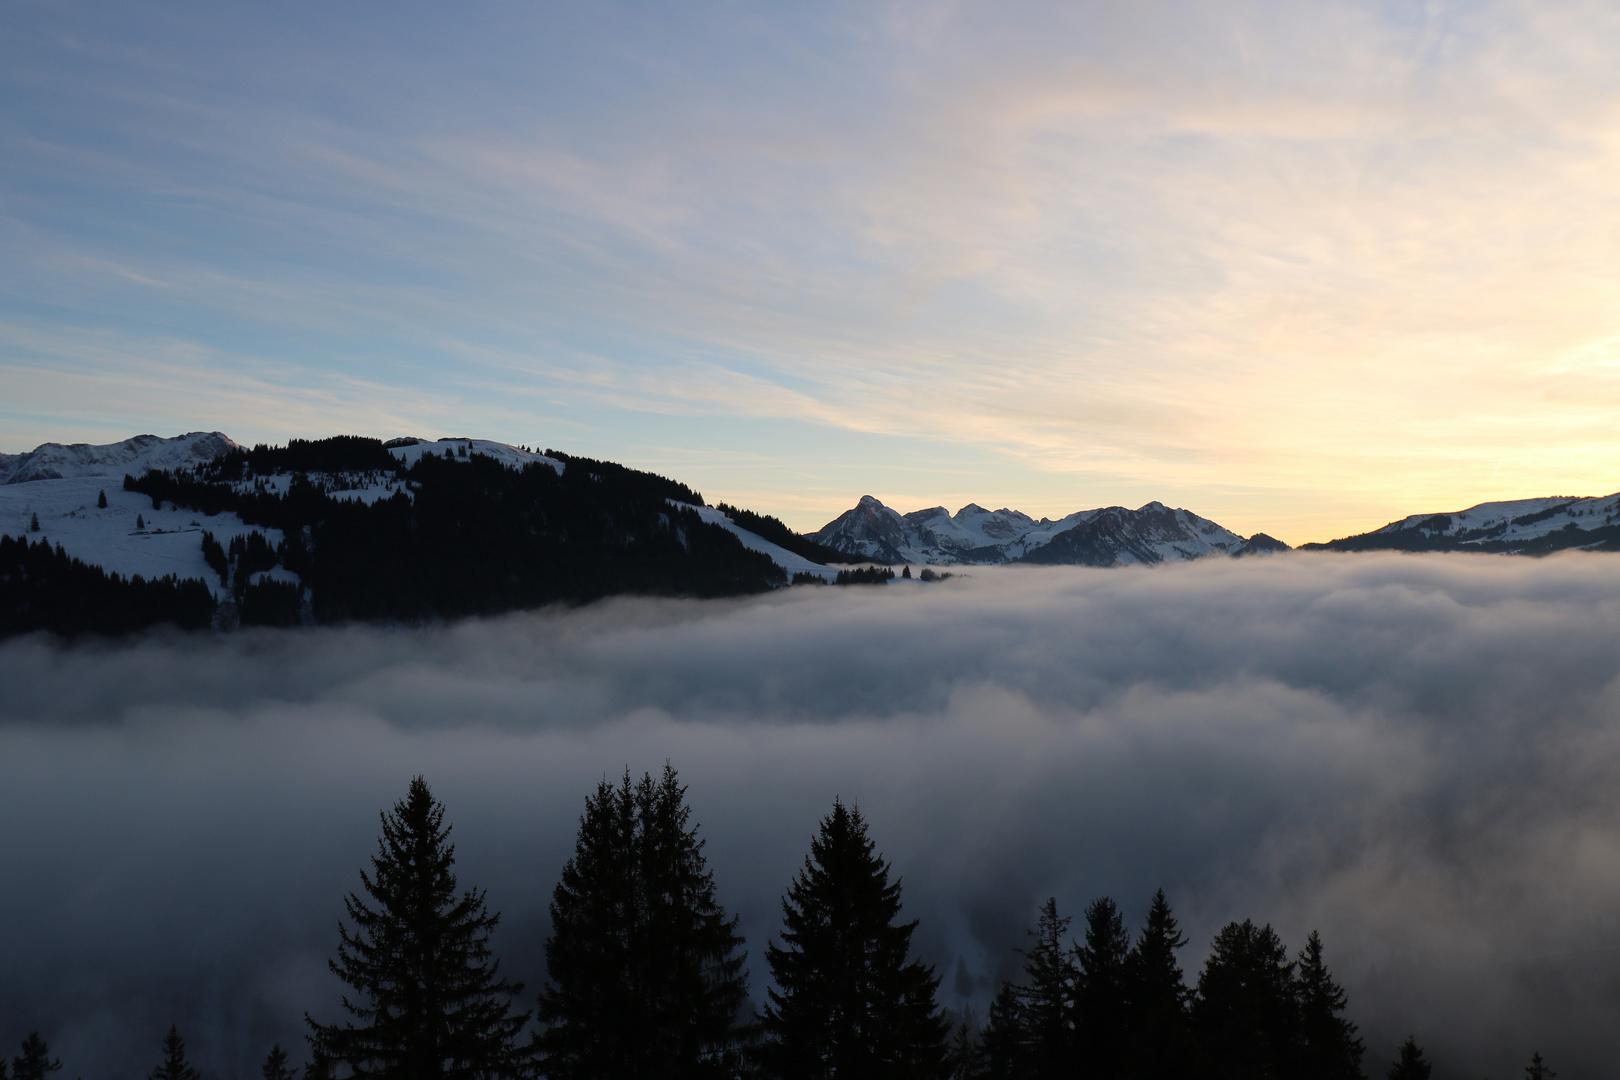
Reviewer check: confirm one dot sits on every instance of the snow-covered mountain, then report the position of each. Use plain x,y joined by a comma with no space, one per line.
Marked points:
1519,526
1107,536
58,461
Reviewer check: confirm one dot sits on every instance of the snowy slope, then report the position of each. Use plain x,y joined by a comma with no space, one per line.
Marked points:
169,543
1520,524
1106,536
410,451
781,556
59,485
55,461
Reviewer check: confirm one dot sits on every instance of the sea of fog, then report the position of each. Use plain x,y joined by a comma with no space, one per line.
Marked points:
1417,756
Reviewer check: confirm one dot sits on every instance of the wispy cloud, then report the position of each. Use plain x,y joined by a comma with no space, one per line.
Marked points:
1247,252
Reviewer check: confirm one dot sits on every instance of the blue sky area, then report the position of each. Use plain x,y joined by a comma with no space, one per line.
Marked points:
1300,268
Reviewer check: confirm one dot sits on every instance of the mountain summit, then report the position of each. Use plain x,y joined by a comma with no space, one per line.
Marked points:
1107,536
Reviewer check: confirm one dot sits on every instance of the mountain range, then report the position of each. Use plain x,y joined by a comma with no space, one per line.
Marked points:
417,529
1108,536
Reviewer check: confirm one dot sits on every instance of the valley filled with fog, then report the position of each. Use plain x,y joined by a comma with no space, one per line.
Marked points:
1415,755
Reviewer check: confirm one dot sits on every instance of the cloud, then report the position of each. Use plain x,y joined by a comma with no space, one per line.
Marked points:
1244,251
1414,755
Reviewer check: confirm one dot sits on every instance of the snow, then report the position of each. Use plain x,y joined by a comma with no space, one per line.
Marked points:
935,537
513,457
54,461
1584,512
366,487
170,542
781,556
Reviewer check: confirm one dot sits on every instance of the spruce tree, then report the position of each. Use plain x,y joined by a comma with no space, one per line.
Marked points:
1328,1046
174,1065
1538,1069
1411,1065
34,1063
645,969
1100,991
428,995
1245,1016
849,1005
964,1057
1158,1037
1004,1047
1048,998
101,500
275,1065
33,523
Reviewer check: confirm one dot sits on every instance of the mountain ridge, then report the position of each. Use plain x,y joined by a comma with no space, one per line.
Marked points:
1105,536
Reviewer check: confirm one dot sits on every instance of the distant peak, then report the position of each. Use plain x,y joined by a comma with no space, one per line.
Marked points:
867,500
972,508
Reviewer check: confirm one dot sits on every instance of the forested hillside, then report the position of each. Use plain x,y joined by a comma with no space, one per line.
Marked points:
370,537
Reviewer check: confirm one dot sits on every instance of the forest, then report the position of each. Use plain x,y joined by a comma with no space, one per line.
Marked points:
645,978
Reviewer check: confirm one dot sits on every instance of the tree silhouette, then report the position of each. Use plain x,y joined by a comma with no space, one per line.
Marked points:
1328,1046
34,1063
645,970
1100,990
1538,1069
1004,1047
174,1065
849,1004
1048,997
428,993
1159,1040
1245,1016
275,1065
1411,1064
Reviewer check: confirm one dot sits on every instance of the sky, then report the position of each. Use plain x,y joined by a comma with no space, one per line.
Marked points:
1413,755
1300,268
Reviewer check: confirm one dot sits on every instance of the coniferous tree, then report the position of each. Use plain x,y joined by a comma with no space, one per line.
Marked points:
33,523
1538,1069
429,999
1048,1011
1328,1046
1411,1064
1004,1047
645,969
174,1065
1159,1039
34,1063
964,1057
101,500
1100,992
1245,1016
275,1065
849,1005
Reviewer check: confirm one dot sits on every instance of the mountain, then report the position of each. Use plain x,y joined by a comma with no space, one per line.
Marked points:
198,530
58,461
1518,527
1108,536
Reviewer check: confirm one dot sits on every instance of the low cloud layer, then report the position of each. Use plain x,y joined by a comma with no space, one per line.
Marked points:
1417,756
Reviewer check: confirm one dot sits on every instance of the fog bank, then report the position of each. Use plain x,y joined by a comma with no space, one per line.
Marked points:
1417,756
